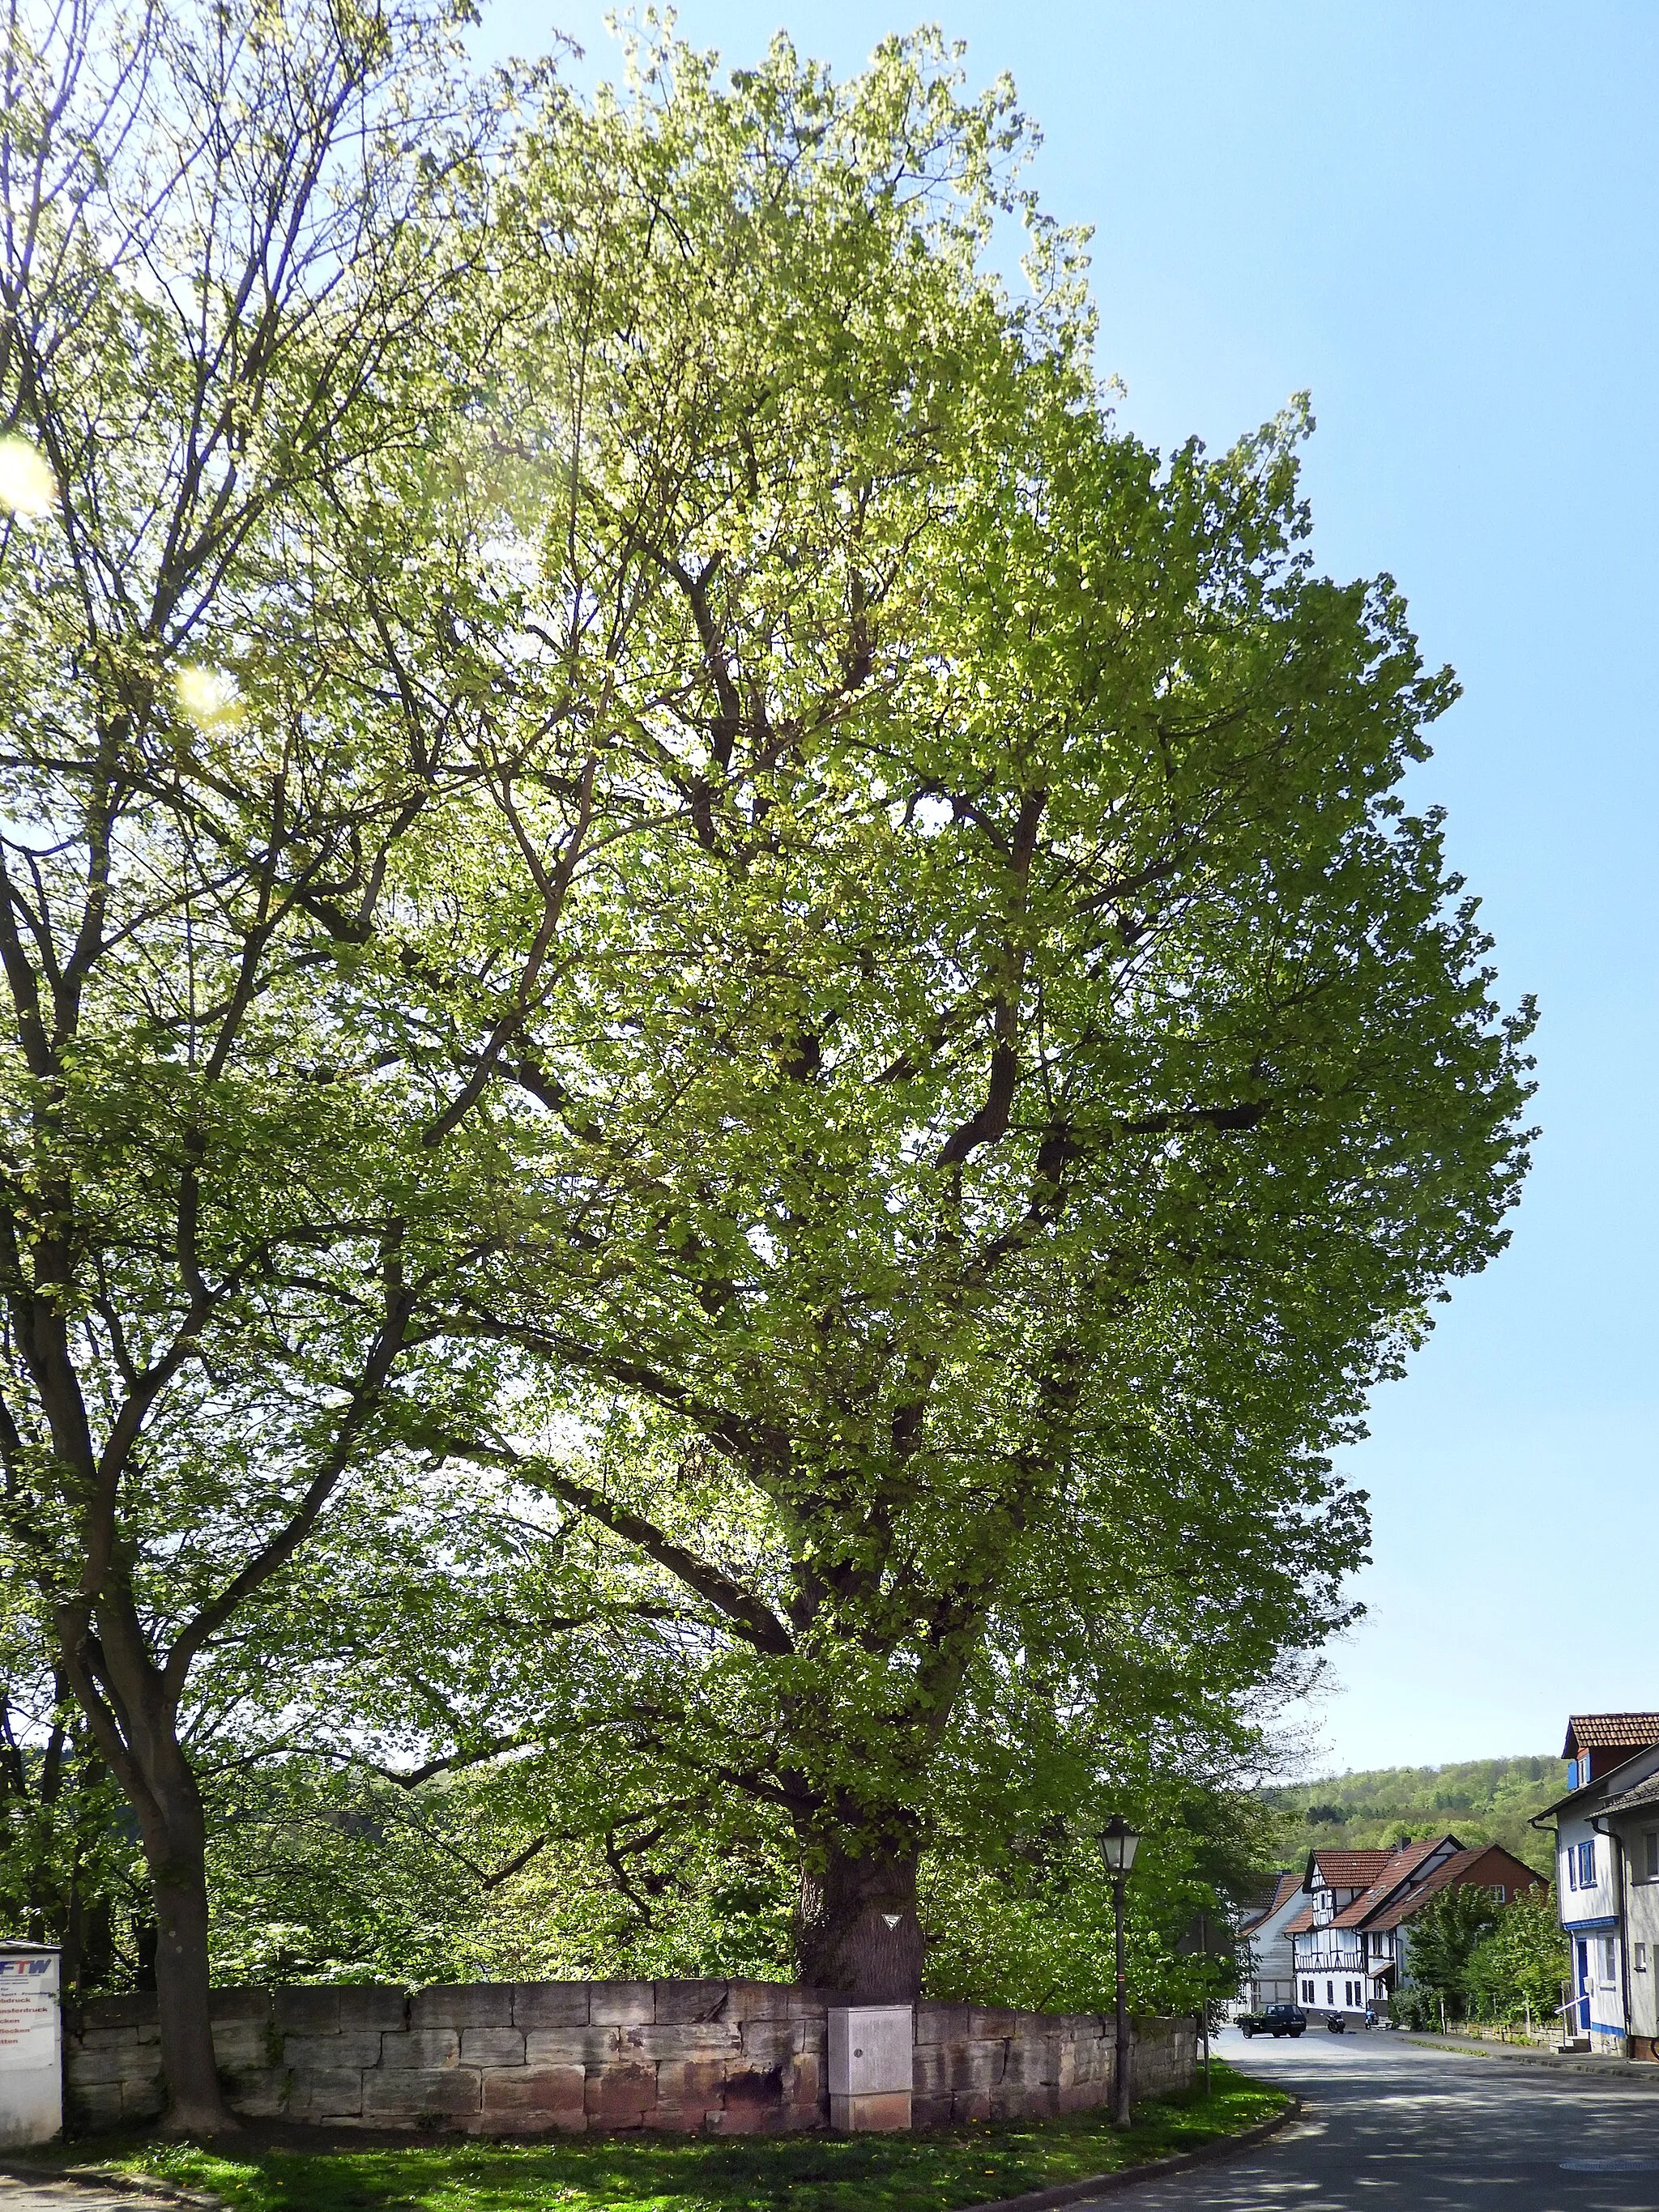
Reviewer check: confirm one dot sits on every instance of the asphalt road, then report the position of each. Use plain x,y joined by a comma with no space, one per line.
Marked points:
1389,2125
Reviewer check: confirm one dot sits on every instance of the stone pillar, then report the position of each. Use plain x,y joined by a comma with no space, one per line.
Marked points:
871,2060
31,2046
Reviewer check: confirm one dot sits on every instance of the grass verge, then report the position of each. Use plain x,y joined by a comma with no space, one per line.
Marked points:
924,2172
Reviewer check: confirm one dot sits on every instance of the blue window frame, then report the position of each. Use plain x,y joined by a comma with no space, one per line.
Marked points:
1587,1864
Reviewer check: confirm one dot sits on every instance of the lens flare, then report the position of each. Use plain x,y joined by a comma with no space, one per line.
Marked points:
208,696
27,486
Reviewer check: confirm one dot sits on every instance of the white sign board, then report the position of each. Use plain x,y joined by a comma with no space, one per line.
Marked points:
28,2011
31,2078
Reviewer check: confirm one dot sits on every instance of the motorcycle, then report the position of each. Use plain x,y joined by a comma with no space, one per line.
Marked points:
1336,2024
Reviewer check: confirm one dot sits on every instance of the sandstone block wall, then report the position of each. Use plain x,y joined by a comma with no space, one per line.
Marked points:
988,2063
517,2059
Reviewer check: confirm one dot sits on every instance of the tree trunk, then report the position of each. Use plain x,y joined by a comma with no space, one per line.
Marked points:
856,1926
143,1752
175,1851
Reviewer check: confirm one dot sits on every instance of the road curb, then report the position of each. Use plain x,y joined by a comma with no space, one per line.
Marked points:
1642,2073
108,2177
1131,2177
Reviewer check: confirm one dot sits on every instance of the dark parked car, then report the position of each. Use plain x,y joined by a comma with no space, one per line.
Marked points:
1275,2020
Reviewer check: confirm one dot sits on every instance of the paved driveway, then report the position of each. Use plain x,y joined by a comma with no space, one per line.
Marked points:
1389,2126
17,2196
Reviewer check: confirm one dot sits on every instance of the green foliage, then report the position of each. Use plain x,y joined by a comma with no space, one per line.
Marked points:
70,1870
237,271
1032,1924
1516,1973
1441,1940
667,877
929,2172
1482,1801
1049,1084
323,1874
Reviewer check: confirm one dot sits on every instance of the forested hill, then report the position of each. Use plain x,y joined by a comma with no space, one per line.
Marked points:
1482,1801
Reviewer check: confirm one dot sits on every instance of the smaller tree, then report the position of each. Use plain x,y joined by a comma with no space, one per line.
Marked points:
1032,1924
1442,1940
243,597
1517,1971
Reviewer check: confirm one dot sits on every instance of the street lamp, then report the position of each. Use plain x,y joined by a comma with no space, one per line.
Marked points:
1118,1841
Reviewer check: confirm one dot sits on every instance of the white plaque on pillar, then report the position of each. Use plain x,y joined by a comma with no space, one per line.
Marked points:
31,2046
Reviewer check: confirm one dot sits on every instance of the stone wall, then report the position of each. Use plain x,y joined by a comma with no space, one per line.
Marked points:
983,2063
517,2058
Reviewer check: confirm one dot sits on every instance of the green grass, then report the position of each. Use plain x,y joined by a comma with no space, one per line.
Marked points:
931,2173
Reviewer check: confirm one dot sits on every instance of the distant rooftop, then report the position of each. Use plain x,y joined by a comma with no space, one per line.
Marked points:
1610,1732
1344,1869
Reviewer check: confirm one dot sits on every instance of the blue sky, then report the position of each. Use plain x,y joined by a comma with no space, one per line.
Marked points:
1443,222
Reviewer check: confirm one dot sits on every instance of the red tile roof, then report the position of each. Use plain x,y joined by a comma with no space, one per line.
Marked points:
1351,1869
1403,1864
1398,1892
1446,1876
1610,1732
1452,1874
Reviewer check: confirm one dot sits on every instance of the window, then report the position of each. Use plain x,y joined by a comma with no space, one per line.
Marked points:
1609,1959
1638,1960
1307,1993
1330,1993
1651,1855
1570,1880
1586,1863
1498,1892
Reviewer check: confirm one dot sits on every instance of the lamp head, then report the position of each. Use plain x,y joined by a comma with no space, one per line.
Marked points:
1118,1843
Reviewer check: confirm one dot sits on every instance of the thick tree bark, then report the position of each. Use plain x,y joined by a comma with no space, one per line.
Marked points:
177,1859
856,1926
134,1718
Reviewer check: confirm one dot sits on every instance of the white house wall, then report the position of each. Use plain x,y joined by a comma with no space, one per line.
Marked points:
1600,1914
1644,1972
1582,1908
1640,1946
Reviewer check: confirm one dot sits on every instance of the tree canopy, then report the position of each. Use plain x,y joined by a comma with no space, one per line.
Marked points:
1047,1068
244,723
655,884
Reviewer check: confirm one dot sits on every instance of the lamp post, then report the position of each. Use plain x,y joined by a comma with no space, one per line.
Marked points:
1118,1841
